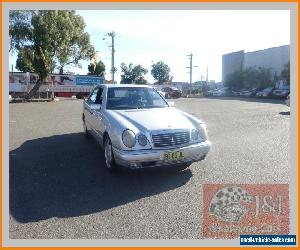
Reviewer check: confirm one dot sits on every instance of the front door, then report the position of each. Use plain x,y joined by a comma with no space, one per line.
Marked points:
98,123
89,112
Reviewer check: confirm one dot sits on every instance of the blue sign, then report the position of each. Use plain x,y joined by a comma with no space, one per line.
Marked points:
89,80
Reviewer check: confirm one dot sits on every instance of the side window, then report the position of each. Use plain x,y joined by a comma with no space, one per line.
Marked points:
93,96
99,96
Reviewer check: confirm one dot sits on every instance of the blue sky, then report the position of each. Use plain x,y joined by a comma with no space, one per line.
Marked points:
146,36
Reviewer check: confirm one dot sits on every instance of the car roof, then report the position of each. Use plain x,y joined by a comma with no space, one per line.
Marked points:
127,86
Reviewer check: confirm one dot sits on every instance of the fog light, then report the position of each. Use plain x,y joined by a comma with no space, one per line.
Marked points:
142,140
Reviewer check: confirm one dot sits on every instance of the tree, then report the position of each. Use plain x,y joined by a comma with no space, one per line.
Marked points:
48,40
264,77
133,74
97,69
251,77
24,60
160,72
285,73
234,80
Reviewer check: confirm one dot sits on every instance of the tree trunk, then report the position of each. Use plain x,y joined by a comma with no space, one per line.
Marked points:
34,90
42,77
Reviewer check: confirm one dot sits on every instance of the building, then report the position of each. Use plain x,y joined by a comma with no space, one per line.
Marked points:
232,62
273,58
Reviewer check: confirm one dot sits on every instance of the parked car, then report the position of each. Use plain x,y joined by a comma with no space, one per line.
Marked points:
209,92
236,92
265,92
138,128
287,100
221,92
172,92
245,93
281,93
248,92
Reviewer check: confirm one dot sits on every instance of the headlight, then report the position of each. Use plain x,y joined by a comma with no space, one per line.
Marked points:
142,140
128,138
202,132
199,134
195,134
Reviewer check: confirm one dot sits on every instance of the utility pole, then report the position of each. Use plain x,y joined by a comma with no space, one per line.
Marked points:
12,76
207,75
191,70
112,35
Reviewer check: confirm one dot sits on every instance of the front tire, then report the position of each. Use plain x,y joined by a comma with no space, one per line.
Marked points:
109,156
86,131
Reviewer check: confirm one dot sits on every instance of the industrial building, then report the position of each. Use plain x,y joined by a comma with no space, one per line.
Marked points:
273,58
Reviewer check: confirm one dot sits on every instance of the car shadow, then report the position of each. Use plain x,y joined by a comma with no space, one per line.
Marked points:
248,99
285,113
64,176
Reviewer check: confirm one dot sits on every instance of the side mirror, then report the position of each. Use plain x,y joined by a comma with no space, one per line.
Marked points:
96,107
171,104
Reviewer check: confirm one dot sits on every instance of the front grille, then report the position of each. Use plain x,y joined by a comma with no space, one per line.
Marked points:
170,139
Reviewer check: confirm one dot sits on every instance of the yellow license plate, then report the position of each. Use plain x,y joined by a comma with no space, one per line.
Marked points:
173,156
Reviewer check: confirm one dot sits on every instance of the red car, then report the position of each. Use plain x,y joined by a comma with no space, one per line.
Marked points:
172,92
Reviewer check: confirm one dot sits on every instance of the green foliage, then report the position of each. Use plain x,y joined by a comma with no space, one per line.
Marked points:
234,80
251,77
48,40
25,60
133,74
160,72
97,69
285,73
264,77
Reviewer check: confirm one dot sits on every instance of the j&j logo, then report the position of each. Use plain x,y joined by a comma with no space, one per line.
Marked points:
227,203
234,209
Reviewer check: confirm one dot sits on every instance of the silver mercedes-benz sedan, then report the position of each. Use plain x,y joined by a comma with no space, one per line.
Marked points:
138,128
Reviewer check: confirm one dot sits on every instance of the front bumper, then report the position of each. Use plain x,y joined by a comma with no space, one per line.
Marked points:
154,157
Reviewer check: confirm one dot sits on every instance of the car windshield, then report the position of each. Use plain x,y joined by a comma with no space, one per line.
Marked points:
134,98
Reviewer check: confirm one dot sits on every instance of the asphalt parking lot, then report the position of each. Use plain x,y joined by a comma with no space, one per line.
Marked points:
59,187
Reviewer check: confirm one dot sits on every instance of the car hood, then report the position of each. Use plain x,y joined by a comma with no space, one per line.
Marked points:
154,119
